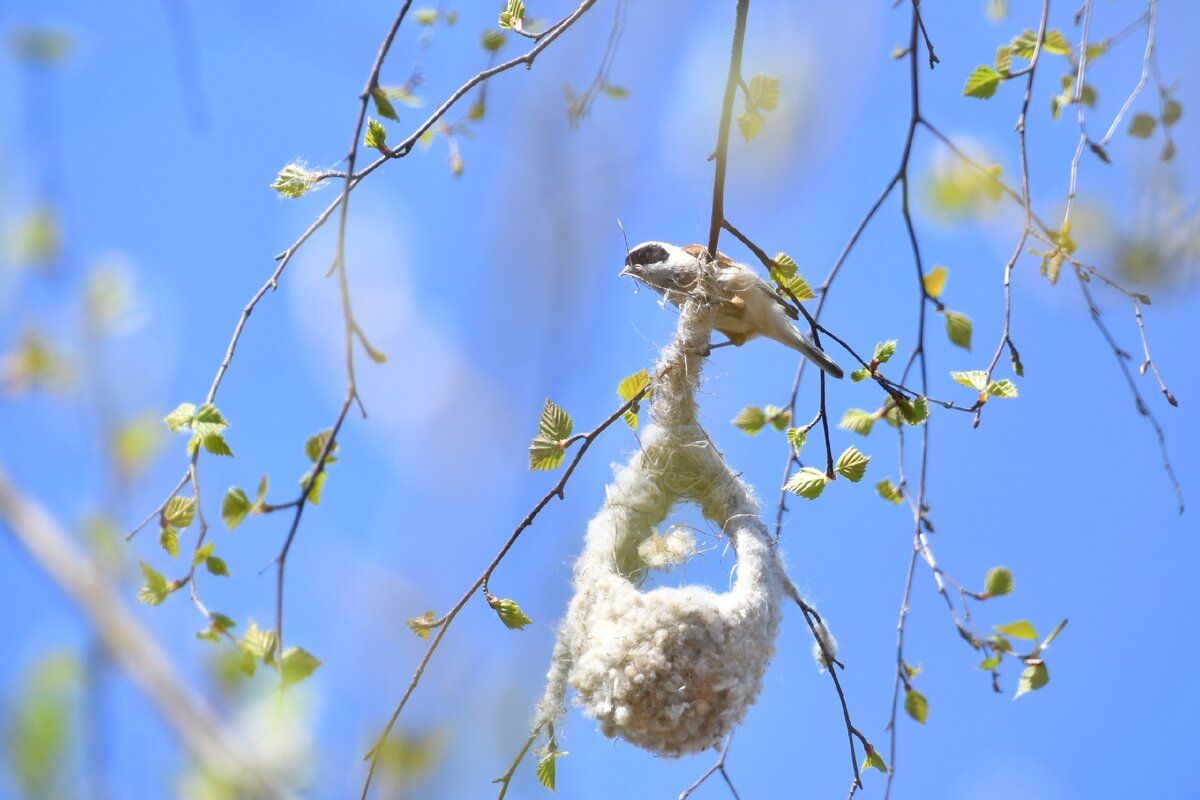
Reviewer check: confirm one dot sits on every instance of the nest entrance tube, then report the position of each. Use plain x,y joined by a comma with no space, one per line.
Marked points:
672,669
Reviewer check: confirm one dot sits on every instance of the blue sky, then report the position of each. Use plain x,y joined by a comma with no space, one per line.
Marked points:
496,290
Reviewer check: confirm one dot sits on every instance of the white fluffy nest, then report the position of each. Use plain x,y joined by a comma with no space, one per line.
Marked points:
671,670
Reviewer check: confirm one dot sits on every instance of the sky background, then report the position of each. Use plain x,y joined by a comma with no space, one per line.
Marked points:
498,289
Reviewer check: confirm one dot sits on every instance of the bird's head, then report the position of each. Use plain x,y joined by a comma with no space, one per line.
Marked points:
663,267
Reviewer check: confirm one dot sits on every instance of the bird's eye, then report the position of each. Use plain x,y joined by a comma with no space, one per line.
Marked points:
646,254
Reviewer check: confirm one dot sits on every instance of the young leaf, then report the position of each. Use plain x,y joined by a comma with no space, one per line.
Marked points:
1021,629
874,760
383,107
884,351
202,553
935,281
764,92
1172,111
156,587
215,443
180,418
296,664
628,389
750,123
750,419
293,181
809,482
216,566
510,613
547,449
234,507
852,464
778,417
169,539
1034,677
991,662
492,40
914,411
958,328
1056,44
512,14
857,420
554,422
1003,388
785,267
975,378
546,769
999,581
889,492
179,511
982,82
1142,126
376,137
421,625
208,420
795,437
859,375
916,705
1003,59
315,445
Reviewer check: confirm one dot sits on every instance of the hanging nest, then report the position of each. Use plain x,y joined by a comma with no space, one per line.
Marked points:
671,670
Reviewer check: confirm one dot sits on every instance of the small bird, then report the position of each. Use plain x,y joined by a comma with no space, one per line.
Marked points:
748,307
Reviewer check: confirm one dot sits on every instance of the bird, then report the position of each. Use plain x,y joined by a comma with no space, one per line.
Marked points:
747,306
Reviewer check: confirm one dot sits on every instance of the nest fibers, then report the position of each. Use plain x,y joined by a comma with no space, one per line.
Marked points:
671,670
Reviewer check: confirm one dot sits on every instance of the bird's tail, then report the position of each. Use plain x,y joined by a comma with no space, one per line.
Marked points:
813,353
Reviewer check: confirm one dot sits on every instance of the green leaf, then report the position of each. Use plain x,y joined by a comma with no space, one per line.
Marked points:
1003,60
215,443
169,539
916,705
764,92
216,566
315,445
1142,126
750,419
296,664
628,389
376,137
935,281
874,760
857,420
1172,111
750,123
778,417
991,662
1000,644
809,482
998,582
179,511
958,328
512,14
852,464
914,411
884,351
492,40
982,82
234,507
546,769
293,181
548,448
1053,635
208,420
422,625
180,418
261,496
383,107
314,496
1034,677
510,613
258,644
975,378
1056,44
554,422
785,267
1023,44
859,375
889,492
156,587
202,553
1003,388
795,437
425,16
1021,629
